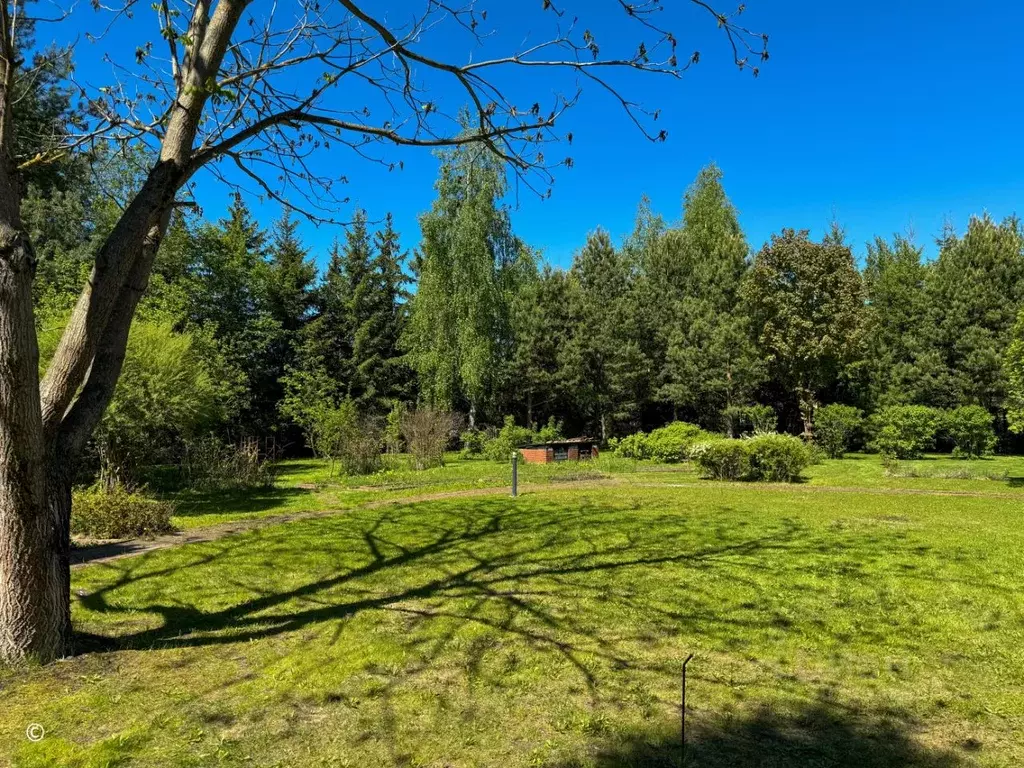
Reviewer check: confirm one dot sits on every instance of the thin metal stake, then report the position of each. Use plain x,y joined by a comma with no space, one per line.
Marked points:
515,473
682,721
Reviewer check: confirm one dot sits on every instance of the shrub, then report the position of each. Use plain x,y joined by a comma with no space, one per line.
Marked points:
761,418
209,464
835,427
393,428
970,429
777,458
671,443
427,432
767,457
341,434
631,447
511,437
904,431
722,459
550,432
117,513
473,442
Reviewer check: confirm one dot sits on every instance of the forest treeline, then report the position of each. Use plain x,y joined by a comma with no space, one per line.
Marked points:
242,335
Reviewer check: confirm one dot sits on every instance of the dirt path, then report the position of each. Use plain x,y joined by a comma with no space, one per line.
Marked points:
106,551
115,550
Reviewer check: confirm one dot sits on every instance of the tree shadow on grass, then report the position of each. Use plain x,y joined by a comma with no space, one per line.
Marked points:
820,734
247,500
495,564
487,563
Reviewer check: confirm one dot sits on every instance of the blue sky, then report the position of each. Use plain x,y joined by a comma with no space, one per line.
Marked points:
889,115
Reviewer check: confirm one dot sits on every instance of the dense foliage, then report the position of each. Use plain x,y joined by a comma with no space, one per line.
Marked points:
836,428
248,334
669,444
904,431
765,457
115,513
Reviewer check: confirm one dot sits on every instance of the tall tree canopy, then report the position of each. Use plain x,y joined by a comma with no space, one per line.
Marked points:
710,362
806,300
459,330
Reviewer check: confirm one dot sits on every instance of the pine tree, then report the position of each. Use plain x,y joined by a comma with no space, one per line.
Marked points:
603,368
541,323
895,314
710,362
975,290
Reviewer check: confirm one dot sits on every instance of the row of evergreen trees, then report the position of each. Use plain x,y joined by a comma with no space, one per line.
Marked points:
684,321
679,320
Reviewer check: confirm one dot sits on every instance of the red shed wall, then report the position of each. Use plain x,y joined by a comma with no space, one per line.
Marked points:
537,455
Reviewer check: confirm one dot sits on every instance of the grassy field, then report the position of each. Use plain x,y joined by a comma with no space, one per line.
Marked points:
310,485
857,619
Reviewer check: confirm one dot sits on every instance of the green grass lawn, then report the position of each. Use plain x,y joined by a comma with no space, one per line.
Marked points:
831,628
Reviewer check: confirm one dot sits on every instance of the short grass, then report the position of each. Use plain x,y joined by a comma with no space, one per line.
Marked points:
310,485
831,628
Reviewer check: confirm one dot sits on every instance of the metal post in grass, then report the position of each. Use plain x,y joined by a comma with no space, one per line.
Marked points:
515,473
682,716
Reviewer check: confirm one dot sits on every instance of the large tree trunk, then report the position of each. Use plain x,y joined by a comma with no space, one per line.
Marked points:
43,428
32,590
59,475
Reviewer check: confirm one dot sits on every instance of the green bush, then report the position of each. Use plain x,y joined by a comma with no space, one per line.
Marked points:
117,513
392,434
836,427
904,431
508,439
473,442
777,458
766,457
549,432
669,444
726,459
761,418
970,430
631,447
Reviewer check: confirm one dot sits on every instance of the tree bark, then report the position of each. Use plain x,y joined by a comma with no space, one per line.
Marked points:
44,427
32,624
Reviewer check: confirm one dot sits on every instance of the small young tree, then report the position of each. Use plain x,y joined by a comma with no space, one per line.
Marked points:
970,429
835,428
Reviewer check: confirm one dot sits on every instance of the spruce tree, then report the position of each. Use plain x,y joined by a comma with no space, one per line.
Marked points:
603,367
894,318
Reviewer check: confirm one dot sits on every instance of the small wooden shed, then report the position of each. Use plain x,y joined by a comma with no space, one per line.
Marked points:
577,449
